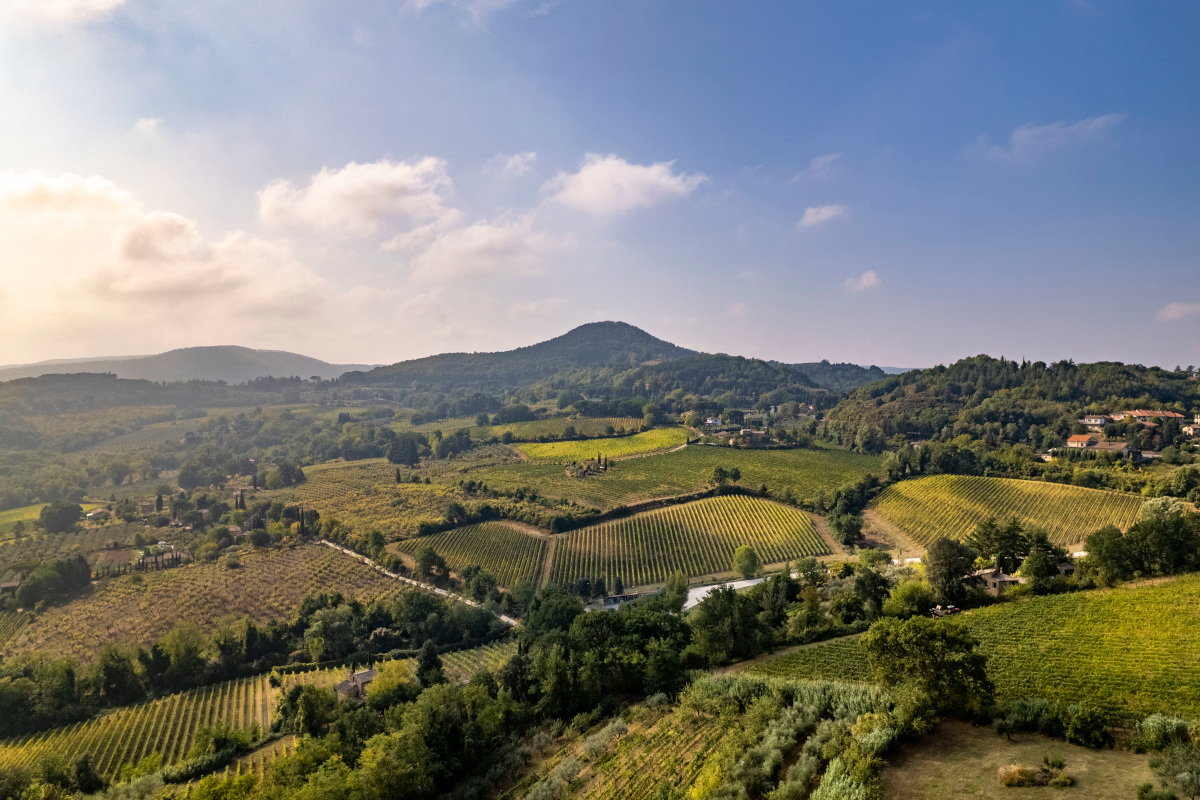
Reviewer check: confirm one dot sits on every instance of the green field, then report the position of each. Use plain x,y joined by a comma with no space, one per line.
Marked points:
952,505
804,472
142,607
509,553
698,538
550,427
568,452
28,515
168,725
1131,650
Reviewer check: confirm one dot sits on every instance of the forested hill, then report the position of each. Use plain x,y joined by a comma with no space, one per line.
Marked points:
1002,400
223,363
609,346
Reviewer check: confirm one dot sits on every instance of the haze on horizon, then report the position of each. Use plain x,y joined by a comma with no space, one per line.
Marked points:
374,181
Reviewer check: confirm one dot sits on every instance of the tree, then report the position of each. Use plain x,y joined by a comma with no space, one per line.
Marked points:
481,420
429,665
873,588
745,561
725,626
618,585
947,564
651,414
429,563
1179,766
1040,570
939,658
404,451
59,516
909,599
158,503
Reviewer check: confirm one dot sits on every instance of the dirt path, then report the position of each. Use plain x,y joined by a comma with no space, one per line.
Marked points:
826,533
890,536
543,574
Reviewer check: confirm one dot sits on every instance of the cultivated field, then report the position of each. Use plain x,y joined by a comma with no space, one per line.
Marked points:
9,625
28,515
506,551
952,505
142,607
168,725
568,452
94,543
804,472
1131,651
698,538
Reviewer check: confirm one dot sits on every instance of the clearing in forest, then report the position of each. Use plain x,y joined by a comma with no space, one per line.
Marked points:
952,505
1131,651
646,442
509,553
698,538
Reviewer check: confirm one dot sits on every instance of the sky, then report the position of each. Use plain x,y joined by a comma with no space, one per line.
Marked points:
901,184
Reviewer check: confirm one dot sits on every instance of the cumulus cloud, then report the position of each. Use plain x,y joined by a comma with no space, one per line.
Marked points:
819,167
506,247
146,126
35,198
510,166
1173,311
868,280
360,198
608,185
1030,141
819,215
158,236
56,12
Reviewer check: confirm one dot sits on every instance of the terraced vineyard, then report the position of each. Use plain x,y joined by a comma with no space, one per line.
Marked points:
9,625
803,472
1131,650
698,538
504,550
952,505
168,725
566,452
143,607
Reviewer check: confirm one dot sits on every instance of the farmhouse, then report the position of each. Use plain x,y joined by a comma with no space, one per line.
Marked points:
1143,415
356,685
1095,422
1191,431
1122,449
147,507
98,514
994,581
1081,440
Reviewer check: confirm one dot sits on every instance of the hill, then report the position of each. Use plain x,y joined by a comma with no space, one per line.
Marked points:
227,363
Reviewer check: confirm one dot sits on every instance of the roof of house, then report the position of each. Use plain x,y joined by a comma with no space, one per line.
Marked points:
1081,437
1112,446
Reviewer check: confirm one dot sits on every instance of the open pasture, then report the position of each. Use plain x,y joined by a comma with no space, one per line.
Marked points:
506,551
650,441
142,607
804,472
27,515
168,725
1131,650
698,538
952,505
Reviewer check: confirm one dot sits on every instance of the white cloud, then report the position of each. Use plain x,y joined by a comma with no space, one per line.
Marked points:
819,167
147,126
35,198
819,215
1029,140
536,308
56,12
506,247
510,166
607,185
739,310
1173,311
360,198
868,280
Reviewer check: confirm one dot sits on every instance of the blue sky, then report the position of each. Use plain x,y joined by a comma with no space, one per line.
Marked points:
898,184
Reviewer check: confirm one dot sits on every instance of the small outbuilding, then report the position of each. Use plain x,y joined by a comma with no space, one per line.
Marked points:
356,685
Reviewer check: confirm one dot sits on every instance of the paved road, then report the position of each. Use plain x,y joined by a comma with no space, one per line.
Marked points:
697,595
375,566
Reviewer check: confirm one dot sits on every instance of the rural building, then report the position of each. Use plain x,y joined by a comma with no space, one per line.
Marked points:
1191,430
994,581
147,508
1122,449
1081,440
9,586
356,685
97,514
1144,415
1094,422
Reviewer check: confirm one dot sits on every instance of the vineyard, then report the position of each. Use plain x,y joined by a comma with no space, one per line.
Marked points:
94,543
952,505
804,472
504,550
10,623
698,538
566,452
143,607
1131,650
168,725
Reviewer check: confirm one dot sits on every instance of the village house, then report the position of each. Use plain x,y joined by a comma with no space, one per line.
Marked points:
147,507
1191,431
1095,422
1081,440
1143,415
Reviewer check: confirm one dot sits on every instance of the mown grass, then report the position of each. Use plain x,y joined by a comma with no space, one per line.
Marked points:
620,447
28,515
